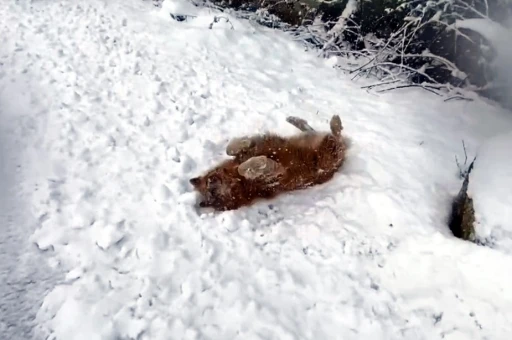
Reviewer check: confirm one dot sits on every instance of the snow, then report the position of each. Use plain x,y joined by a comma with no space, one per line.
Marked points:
133,103
490,186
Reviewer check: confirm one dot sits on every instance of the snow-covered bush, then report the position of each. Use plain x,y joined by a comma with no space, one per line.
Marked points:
440,45
445,43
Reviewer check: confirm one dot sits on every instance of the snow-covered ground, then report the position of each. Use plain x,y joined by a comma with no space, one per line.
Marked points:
128,104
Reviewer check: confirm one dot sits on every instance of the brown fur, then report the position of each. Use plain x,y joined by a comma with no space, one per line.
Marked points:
307,159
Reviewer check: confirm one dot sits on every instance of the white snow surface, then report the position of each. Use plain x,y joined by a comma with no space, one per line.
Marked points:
490,186
137,103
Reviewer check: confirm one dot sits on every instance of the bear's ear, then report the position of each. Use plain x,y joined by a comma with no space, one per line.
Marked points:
195,181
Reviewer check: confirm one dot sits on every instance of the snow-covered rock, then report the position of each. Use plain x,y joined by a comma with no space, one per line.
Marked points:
188,14
180,7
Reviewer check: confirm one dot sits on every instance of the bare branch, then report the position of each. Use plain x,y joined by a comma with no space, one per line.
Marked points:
380,84
423,86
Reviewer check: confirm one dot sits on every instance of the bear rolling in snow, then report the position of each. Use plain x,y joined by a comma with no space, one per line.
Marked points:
263,166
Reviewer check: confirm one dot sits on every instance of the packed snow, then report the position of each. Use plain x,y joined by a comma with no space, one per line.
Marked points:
130,103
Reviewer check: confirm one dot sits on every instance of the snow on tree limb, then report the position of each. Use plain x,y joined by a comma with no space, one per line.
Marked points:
337,30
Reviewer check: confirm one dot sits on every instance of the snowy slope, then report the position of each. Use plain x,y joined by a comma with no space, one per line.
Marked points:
138,103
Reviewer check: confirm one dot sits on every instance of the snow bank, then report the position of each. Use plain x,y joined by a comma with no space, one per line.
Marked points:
137,103
490,186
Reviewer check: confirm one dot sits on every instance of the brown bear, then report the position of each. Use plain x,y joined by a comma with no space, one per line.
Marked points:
264,166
